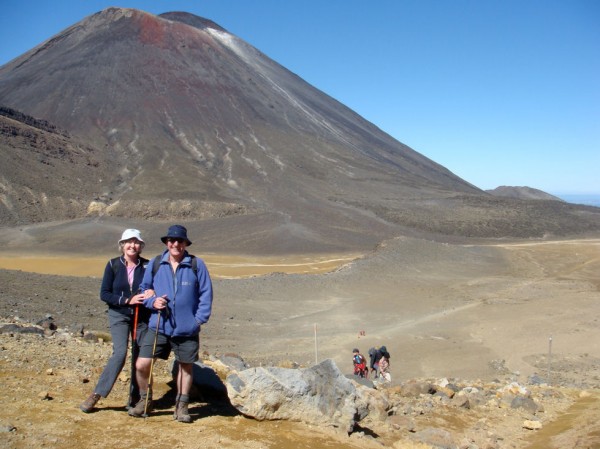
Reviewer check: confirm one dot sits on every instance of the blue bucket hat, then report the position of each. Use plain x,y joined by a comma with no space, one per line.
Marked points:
176,232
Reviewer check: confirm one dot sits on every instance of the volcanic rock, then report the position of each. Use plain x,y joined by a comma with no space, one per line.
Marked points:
319,395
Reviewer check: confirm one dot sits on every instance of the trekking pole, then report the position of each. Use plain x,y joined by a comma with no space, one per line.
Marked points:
134,354
149,392
135,321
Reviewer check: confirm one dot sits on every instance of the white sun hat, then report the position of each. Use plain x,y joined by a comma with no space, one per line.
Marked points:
129,234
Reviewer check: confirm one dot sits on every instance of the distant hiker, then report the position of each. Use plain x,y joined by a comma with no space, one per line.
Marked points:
384,364
183,298
374,357
120,285
360,364
384,352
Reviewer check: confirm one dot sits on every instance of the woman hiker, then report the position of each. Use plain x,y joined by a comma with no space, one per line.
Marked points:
384,365
120,284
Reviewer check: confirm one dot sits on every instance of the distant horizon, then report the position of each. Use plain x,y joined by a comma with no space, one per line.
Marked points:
587,199
555,192
575,193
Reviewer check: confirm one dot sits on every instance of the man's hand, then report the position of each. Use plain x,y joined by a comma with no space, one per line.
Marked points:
149,293
161,302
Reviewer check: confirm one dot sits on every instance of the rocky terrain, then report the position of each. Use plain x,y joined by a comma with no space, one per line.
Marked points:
41,164
45,377
468,327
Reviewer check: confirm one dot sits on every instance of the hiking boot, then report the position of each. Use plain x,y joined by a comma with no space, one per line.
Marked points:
181,413
88,405
132,401
138,410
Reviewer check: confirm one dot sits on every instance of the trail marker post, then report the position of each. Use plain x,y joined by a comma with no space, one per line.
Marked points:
549,360
316,346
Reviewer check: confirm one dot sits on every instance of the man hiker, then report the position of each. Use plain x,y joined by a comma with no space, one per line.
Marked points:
374,357
182,302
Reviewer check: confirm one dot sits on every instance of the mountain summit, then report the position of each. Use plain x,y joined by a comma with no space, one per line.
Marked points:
187,121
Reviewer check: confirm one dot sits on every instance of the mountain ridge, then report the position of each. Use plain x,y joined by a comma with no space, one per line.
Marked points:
523,192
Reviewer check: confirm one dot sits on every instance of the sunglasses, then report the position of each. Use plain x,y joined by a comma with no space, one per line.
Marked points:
175,239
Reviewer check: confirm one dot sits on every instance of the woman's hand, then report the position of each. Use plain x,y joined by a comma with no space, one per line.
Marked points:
137,299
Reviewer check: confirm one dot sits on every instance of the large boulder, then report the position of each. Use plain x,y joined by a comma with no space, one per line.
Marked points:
319,395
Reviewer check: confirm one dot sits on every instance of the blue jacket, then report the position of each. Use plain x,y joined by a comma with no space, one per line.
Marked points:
190,296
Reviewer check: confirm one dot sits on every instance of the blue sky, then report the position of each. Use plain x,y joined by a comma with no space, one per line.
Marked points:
502,92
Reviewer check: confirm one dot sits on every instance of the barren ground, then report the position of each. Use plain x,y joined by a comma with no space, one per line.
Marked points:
477,313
